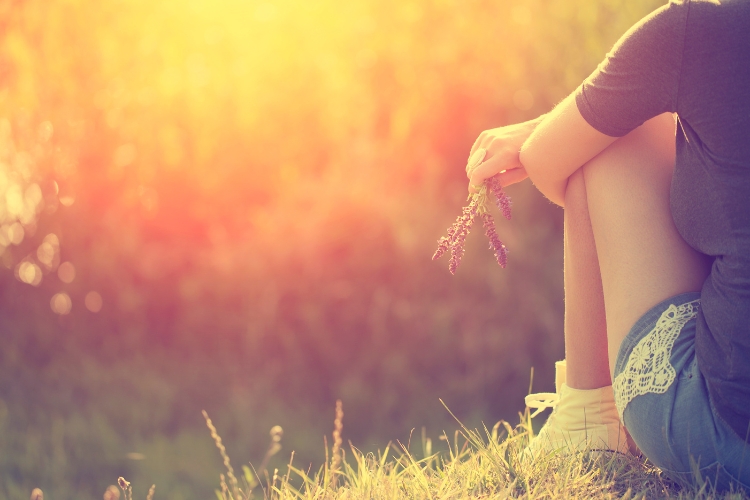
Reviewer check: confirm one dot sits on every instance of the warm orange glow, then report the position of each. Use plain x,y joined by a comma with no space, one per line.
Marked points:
247,193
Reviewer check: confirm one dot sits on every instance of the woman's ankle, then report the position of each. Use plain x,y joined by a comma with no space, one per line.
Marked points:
587,376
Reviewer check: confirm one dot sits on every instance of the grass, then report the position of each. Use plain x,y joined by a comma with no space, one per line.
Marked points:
484,464
475,464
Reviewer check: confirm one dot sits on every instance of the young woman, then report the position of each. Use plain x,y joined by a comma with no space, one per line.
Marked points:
650,158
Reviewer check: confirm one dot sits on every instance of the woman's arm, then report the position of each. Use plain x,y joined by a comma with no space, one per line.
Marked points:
547,149
559,145
638,80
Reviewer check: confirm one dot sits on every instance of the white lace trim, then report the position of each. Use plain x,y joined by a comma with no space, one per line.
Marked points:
648,368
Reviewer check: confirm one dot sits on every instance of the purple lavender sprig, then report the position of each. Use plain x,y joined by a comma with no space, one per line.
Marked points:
462,226
457,232
444,242
501,199
497,247
457,236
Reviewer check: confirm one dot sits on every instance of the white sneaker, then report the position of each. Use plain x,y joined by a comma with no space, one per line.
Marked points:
580,419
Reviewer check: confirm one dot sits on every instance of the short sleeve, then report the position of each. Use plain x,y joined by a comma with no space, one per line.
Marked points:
640,76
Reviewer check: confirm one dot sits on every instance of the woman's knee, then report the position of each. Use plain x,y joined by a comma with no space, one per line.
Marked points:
575,194
642,159
642,257
644,156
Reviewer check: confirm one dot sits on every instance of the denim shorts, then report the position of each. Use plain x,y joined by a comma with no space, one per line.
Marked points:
663,400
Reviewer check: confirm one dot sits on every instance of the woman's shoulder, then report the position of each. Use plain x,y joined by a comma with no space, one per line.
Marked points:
731,11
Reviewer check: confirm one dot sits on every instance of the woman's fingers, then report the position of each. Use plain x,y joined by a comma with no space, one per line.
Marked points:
476,159
512,176
506,177
483,141
509,169
476,144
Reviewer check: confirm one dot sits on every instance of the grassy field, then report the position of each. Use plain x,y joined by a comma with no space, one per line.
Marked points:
487,463
231,205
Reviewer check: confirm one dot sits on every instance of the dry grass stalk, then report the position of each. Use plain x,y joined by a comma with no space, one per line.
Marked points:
224,488
151,490
338,426
273,447
127,490
223,451
289,468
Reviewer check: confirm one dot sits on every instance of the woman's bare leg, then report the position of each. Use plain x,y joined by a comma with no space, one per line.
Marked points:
623,254
585,323
642,258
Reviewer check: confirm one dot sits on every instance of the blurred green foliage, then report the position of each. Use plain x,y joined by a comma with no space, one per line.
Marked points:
255,190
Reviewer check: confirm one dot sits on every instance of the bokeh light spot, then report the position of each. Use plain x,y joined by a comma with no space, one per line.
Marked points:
67,201
29,273
22,164
45,131
33,197
523,100
61,303
4,235
276,433
124,155
112,493
66,272
52,239
14,200
93,302
16,233
45,253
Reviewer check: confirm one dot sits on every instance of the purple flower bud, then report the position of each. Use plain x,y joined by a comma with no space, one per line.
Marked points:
443,244
501,253
458,231
457,253
501,199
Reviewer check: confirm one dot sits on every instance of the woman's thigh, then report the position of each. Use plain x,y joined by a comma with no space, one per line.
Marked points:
663,399
642,258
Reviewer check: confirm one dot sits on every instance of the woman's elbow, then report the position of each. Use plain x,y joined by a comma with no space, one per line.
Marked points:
539,173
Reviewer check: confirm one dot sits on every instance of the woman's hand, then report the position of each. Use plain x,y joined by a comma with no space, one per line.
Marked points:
502,146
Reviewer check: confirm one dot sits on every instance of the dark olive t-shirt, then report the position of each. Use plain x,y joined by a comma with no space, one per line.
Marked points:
692,57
